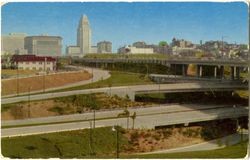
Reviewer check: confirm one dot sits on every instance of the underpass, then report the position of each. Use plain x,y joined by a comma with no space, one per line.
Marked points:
147,118
136,89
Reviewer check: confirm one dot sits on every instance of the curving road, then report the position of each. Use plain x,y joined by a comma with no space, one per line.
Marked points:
149,118
98,74
131,90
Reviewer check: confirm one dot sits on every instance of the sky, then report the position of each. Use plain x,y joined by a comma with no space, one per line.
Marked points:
125,23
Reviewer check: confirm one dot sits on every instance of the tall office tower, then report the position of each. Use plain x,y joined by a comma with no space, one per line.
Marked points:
84,35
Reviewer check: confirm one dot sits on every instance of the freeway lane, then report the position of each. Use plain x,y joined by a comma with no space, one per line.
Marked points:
153,88
166,108
144,121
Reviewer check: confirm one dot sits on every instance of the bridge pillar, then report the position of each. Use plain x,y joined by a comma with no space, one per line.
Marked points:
200,74
215,72
198,71
237,74
232,72
184,69
221,72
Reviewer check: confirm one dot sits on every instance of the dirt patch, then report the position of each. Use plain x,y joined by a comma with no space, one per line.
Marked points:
23,111
143,140
150,140
41,82
65,106
10,72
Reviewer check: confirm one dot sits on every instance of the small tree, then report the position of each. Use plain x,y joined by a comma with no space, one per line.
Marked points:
163,43
133,118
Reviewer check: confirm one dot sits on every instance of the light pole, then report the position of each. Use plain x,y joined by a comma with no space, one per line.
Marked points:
17,81
92,75
45,59
116,128
90,139
29,103
94,119
237,122
159,88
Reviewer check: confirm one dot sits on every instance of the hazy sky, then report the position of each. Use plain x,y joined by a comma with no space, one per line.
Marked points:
125,23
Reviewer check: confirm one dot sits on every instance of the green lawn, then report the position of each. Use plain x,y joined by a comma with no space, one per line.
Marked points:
76,144
73,144
235,151
116,79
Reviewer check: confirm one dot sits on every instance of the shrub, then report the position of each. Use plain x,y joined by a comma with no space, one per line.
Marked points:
157,137
167,133
134,136
57,109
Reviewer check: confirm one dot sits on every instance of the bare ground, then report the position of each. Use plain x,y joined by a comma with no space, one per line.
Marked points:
53,107
40,82
151,140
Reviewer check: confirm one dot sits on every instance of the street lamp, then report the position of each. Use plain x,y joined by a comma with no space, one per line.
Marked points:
29,103
237,122
90,139
17,81
116,128
45,59
92,75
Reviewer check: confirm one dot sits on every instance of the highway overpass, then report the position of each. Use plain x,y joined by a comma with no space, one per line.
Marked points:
146,118
168,61
236,65
123,91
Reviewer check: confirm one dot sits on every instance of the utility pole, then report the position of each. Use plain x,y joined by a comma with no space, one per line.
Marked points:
94,119
116,129
17,81
90,139
44,69
29,103
117,142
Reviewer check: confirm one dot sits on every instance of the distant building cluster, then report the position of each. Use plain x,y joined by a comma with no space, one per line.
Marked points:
44,45
104,47
21,44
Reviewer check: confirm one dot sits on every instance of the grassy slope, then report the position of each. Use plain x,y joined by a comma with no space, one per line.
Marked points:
242,93
76,144
235,151
63,144
116,79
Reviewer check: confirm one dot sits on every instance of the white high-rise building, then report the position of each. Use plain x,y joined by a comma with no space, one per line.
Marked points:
84,35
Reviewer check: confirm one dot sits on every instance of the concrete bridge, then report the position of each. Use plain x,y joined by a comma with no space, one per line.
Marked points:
130,91
149,118
218,65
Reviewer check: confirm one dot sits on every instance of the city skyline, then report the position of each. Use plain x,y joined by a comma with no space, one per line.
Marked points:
125,23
